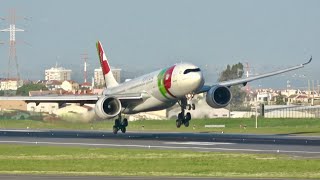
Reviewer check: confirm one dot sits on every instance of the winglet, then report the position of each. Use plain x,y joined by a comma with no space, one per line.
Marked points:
308,61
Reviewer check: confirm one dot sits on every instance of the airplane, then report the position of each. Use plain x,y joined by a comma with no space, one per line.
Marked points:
154,91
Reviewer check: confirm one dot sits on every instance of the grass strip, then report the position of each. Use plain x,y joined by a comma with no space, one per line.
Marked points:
21,159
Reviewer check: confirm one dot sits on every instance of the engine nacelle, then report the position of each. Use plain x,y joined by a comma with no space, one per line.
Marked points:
218,96
107,107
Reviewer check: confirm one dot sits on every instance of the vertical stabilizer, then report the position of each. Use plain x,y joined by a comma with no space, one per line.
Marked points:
106,70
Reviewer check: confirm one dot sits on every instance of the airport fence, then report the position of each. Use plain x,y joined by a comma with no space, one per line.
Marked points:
292,112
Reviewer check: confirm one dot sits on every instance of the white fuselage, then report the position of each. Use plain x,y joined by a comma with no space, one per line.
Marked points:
164,87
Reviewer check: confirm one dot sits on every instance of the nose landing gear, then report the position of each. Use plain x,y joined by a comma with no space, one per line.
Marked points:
184,118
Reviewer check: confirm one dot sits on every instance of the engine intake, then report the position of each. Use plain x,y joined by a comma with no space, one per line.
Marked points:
107,107
218,96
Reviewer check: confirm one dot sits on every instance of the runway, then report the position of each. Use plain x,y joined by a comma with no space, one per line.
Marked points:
296,146
302,146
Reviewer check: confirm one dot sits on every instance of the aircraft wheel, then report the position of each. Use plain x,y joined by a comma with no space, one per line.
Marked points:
188,116
186,124
189,107
115,129
117,122
180,116
125,122
123,129
193,106
178,123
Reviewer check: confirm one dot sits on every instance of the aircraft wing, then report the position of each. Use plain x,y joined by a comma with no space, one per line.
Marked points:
87,99
244,81
55,99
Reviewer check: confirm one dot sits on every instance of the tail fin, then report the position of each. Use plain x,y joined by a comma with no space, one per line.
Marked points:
107,74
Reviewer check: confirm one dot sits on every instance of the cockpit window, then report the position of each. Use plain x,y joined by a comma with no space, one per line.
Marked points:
191,70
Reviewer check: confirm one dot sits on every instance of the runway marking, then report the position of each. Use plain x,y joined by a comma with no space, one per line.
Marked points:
159,147
199,143
22,130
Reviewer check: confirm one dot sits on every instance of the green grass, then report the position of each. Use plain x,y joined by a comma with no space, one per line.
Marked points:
265,126
17,159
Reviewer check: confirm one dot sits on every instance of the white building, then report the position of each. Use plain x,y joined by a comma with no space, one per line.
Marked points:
98,76
10,84
57,73
42,107
69,85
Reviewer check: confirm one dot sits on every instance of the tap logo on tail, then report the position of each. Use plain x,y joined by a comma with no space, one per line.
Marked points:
103,59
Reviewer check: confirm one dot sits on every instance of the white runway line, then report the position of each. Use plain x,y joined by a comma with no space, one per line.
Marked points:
157,147
199,143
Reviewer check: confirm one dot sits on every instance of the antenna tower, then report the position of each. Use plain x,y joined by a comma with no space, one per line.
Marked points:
12,44
85,58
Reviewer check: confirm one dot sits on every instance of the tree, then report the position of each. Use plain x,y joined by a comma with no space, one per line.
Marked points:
280,100
234,72
24,90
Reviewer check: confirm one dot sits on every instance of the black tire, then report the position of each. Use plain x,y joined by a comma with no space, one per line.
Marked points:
188,116
189,107
180,116
178,123
125,122
186,124
123,129
193,106
115,129
117,122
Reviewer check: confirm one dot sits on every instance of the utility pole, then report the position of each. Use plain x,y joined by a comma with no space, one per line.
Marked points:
12,45
308,88
1,18
85,58
318,87
312,101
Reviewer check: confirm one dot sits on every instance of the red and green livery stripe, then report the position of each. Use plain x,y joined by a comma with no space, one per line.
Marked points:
103,59
164,82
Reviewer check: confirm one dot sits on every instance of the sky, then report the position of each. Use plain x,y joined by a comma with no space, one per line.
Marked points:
145,35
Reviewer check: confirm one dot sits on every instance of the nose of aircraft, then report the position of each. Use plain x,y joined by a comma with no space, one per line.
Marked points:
189,83
193,81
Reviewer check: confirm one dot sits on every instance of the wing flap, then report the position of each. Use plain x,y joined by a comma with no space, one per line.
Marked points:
58,99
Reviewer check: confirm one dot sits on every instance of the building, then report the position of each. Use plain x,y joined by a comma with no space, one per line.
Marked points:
42,107
69,85
57,73
53,85
10,84
98,76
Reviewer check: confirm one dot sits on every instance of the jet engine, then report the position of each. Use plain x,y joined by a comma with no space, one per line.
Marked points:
218,96
107,107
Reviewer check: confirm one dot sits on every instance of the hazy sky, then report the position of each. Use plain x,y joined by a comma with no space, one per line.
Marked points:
144,35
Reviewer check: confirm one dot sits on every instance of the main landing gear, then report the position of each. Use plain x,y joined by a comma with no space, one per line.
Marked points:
184,118
120,124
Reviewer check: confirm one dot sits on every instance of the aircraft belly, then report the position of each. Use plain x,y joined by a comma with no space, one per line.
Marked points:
151,104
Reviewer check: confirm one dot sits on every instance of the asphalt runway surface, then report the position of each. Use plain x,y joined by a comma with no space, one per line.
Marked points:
297,146
304,146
